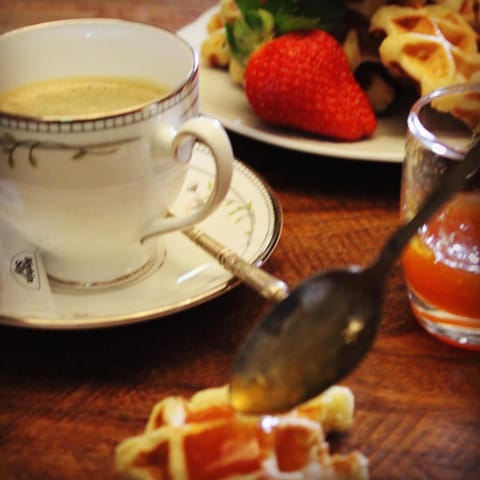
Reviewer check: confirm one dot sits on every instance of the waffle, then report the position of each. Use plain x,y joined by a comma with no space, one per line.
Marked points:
465,107
469,9
433,46
204,438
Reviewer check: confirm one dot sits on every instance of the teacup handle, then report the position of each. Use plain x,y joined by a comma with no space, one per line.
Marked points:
211,133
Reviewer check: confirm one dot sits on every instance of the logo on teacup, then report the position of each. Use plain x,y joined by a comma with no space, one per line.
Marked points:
24,268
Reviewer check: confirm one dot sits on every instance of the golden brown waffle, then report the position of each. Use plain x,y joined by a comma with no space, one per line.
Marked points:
465,107
469,9
204,438
433,46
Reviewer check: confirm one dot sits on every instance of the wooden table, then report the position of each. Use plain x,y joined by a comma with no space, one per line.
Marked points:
68,398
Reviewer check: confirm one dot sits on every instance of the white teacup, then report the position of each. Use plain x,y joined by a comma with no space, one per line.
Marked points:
88,191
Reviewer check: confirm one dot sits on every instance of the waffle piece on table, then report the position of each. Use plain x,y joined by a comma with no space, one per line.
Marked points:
204,438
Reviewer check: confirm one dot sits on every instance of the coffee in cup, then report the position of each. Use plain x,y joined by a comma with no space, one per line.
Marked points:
80,97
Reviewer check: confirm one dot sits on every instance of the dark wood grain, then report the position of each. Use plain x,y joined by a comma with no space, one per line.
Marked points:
68,398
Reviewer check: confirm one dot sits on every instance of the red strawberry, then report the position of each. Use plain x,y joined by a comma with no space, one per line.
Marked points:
303,80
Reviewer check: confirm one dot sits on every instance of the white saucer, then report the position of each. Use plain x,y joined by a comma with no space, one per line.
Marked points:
249,222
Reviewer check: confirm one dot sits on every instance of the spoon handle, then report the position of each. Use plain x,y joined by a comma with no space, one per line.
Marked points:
449,183
262,282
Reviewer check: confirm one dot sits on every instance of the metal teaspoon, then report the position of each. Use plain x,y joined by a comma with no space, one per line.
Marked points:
319,332
270,287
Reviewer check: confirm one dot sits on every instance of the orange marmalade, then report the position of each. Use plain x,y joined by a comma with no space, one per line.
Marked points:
442,264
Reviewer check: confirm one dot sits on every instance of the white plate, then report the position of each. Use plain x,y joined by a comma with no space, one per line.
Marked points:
220,98
249,221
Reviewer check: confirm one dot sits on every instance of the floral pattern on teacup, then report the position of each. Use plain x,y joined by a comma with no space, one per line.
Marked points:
10,146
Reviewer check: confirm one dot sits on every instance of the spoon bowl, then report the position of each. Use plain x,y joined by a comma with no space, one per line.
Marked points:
340,307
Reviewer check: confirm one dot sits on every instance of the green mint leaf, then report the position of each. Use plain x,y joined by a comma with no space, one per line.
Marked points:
298,14
261,20
249,32
285,23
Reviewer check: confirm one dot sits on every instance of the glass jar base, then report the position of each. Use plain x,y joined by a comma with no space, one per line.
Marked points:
459,331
